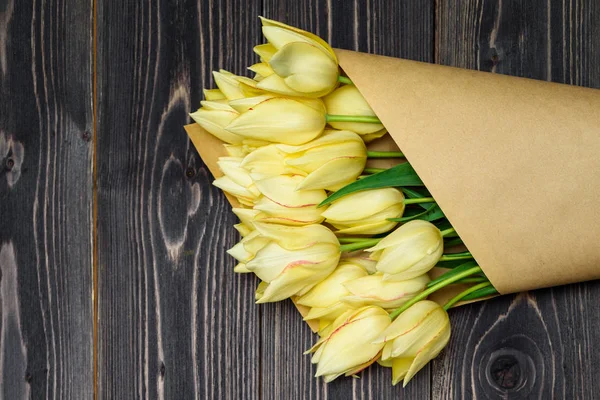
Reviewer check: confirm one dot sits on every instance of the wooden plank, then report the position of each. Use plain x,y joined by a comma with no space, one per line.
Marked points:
400,29
538,344
46,125
174,320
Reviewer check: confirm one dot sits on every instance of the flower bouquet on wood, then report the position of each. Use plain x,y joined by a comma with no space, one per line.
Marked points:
377,193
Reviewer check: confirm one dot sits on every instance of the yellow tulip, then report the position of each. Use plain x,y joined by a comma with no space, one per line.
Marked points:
372,290
289,259
268,161
303,64
247,217
282,204
324,299
409,251
348,348
331,161
213,116
347,100
281,120
366,212
413,339
235,87
237,181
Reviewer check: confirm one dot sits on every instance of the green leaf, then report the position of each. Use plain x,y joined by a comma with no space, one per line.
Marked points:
400,175
461,268
483,292
432,213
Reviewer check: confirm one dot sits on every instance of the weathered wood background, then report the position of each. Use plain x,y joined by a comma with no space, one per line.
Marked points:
114,282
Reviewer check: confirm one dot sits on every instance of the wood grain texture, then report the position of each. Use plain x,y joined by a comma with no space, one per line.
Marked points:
46,315
400,29
532,345
175,322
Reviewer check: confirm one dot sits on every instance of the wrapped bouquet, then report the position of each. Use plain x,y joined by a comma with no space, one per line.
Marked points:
377,193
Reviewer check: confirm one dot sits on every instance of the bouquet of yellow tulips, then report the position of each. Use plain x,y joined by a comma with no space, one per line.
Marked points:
363,250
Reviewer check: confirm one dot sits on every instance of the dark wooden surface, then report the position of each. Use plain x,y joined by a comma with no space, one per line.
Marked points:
46,151
172,319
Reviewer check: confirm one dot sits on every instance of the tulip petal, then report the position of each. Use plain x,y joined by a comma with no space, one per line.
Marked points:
429,352
228,85
305,68
213,94
300,35
263,69
215,121
265,51
280,120
334,174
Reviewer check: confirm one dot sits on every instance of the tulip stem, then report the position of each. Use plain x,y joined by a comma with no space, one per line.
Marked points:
363,244
434,288
345,80
353,118
374,170
385,154
448,231
420,200
470,290
456,256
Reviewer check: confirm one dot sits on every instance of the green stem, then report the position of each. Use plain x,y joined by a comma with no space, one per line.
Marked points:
419,200
353,240
434,288
363,244
448,231
470,290
345,80
385,154
458,256
374,170
473,280
352,118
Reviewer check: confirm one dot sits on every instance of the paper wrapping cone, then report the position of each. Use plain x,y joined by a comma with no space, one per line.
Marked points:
512,162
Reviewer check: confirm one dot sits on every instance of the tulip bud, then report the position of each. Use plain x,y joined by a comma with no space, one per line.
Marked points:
282,204
281,120
290,260
324,299
413,339
349,347
366,212
303,64
372,290
237,181
268,161
331,161
409,251
347,100
213,117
